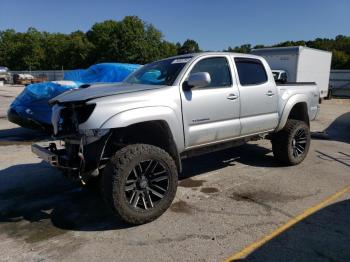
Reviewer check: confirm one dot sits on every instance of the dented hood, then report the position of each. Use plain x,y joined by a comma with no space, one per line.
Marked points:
100,90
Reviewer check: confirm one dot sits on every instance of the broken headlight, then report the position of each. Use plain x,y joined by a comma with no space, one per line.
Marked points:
66,119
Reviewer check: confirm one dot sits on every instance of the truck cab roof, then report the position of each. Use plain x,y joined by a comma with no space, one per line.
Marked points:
195,55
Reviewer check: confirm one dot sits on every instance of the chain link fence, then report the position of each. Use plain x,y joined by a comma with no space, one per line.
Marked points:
48,75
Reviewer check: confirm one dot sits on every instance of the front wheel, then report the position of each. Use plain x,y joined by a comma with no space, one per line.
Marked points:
291,145
139,183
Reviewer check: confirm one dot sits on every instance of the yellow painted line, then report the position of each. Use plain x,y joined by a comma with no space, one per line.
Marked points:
250,248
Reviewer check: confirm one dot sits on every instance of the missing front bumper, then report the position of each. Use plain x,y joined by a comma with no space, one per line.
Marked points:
52,155
45,154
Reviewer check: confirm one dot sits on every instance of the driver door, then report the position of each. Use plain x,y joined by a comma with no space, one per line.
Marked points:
211,113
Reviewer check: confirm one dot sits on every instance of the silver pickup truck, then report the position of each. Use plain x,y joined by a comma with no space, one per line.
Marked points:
129,138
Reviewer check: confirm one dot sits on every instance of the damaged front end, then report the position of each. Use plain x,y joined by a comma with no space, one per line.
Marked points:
79,153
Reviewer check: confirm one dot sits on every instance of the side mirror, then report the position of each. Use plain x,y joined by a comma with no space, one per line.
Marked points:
200,79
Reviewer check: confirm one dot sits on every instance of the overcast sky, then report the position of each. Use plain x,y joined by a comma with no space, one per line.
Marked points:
215,25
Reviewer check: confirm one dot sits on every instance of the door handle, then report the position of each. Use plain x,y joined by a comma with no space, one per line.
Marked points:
269,93
232,96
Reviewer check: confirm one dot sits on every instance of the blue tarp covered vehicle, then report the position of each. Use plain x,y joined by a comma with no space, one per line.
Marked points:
31,109
101,73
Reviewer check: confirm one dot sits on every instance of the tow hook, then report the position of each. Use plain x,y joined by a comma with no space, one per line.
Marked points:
53,148
82,160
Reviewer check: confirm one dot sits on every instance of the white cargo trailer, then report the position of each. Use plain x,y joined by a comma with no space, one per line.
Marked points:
302,64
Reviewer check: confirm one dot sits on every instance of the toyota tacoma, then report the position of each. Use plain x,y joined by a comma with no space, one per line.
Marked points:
130,137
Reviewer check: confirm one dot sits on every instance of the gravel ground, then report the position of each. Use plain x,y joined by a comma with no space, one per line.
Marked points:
225,201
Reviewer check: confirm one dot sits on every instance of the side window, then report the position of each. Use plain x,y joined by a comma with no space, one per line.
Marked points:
218,69
250,71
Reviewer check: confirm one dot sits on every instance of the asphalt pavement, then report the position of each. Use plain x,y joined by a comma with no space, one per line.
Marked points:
226,202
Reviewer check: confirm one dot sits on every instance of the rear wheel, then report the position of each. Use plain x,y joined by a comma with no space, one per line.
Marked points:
291,145
139,183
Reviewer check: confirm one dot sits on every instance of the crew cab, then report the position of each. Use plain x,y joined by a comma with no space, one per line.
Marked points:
130,137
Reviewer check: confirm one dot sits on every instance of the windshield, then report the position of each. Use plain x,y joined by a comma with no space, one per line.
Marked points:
162,72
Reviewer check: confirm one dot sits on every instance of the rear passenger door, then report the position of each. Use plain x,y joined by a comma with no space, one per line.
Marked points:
258,95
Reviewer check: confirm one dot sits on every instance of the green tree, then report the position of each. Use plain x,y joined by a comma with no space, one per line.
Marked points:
246,48
340,60
168,49
130,40
103,37
259,46
55,46
77,51
188,47
21,50
138,42
7,42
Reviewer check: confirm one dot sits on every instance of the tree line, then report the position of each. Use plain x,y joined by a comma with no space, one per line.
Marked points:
130,40
339,46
